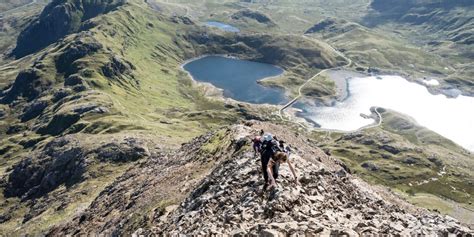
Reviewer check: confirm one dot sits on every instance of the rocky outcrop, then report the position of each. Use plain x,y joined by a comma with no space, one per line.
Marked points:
65,161
254,15
59,19
34,110
129,150
29,84
116,67
77,49
61,162
331,25
59,123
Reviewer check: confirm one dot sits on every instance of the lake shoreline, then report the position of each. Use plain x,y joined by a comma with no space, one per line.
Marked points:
221,91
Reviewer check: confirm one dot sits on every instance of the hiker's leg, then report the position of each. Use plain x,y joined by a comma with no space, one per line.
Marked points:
265,160
275,167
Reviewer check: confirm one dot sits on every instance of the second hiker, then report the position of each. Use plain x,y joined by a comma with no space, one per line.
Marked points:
272,155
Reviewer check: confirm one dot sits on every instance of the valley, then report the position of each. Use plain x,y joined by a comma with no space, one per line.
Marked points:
116,117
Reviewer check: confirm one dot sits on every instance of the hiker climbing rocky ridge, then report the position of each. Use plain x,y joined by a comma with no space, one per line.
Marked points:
220,192
230,201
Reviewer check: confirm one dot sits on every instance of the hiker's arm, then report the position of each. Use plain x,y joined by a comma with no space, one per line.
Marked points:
293,171
270,173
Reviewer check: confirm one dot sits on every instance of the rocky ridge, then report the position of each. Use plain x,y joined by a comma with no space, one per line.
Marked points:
228,198
326,202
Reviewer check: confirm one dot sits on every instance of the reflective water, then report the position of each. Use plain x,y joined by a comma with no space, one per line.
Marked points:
452,118
222,26
238,78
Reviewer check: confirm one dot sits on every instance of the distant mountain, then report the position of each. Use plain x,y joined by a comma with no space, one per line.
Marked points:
59,19
451,19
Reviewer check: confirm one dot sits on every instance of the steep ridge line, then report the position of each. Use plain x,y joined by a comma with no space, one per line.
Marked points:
328,201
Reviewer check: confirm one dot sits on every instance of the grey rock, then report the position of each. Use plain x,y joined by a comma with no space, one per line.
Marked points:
270,233
34,110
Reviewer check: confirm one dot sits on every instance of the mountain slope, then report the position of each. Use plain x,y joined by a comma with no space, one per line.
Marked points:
92,122
57,20
444,28
227,199
72,113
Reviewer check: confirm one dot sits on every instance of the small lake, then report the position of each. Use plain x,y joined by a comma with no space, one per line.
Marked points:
238,78
222,26
452,118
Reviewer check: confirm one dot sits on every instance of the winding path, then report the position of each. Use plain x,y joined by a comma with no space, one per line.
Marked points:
349,62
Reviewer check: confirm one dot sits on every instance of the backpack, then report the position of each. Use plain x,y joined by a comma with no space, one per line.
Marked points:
270,147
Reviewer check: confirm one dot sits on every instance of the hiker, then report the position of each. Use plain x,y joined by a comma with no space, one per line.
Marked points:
269,147
257,143
273,153
278,158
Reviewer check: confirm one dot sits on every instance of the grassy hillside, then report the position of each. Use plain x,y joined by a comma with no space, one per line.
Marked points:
435,36
409,158
444,28
125,81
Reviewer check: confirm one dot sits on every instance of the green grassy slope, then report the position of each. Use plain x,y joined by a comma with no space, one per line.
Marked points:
407,157
153,101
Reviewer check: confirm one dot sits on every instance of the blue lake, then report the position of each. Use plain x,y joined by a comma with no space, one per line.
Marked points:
222,26
238,78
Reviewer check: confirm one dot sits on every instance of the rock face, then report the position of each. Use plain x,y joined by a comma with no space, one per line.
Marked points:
79,48
28,84
57,20
217,182
64,161
255,15
61,162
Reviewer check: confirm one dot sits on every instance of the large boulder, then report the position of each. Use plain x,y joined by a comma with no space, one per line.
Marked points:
59,123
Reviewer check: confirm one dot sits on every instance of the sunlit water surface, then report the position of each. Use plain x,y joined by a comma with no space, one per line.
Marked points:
452,118
222,26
